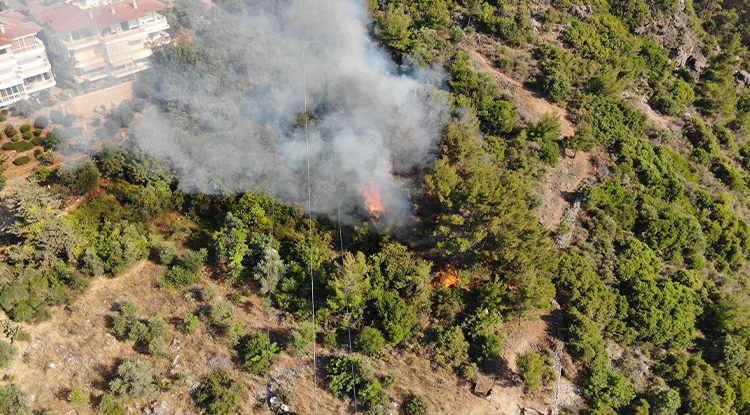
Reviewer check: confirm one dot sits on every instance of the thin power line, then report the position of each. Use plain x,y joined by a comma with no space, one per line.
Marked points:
341,234
309,212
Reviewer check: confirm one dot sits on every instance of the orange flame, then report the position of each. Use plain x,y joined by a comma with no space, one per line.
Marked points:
390,165
449,277
372,199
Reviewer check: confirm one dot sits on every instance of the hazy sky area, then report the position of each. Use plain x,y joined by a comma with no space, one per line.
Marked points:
247,100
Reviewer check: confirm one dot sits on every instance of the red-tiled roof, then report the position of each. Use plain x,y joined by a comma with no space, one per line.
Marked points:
13,27
66,18
69,17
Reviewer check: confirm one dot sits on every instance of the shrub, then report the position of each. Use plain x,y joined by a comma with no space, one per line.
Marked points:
37,141
53,140
330,339
38,132
221,314
27,135
22,146
7,353
67,94
220,394
10,130
21,160
77,397
47,158
56,117
25,108
14,401
190,323
68,120
108,405
25,128
256,352
135,379
302,337
80,176
531,368
416,405
41,122
369,341
210,293
339,380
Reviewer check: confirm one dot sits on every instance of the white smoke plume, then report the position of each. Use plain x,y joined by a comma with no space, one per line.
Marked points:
234,120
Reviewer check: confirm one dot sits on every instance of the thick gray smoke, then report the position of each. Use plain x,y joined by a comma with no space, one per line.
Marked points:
234,118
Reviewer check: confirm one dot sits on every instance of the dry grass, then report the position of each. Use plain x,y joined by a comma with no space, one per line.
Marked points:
75,349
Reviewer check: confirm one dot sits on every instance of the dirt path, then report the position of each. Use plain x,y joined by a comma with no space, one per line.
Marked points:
559,187
531,108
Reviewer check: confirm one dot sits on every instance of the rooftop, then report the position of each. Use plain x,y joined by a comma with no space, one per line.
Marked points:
13,27
68,17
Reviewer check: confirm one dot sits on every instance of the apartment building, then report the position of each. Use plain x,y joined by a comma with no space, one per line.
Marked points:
110,39
24,67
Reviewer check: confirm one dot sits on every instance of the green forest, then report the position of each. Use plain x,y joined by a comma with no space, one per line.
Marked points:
653,288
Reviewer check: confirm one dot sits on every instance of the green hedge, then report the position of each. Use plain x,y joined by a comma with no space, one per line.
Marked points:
38,141
22,160
19,146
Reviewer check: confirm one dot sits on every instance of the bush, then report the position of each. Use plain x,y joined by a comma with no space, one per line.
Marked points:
37,141
80,176
69,120
416,405
77,397
7,353
22,146
10,130
25,128
38,132
135,379
14,401
210,293
25,108
257,352
27,135
41,122
56,117
330,339
108,405
531,368
220,394
22,160
369,341
302,337
190,323
339,380
47,158
221,314
67,94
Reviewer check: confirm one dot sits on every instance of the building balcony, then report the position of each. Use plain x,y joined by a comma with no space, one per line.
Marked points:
7,100
26,51
130,69
34,67
158,24
80,43
39,85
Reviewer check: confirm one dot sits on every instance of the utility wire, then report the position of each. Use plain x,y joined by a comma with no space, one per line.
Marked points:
273,263
341,234
310,220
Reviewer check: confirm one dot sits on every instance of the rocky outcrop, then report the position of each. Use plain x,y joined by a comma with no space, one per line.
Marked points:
676,33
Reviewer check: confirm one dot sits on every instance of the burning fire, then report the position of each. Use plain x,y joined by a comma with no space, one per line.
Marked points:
372,200
449,277
390,165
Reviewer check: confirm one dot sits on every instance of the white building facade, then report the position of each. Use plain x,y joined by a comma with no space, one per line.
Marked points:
113,39
24,67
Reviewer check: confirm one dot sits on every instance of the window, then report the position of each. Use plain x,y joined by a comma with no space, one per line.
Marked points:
10,92
118,50
84,33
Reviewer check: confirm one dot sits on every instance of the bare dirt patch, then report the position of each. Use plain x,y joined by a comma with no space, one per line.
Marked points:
560,186
529,105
